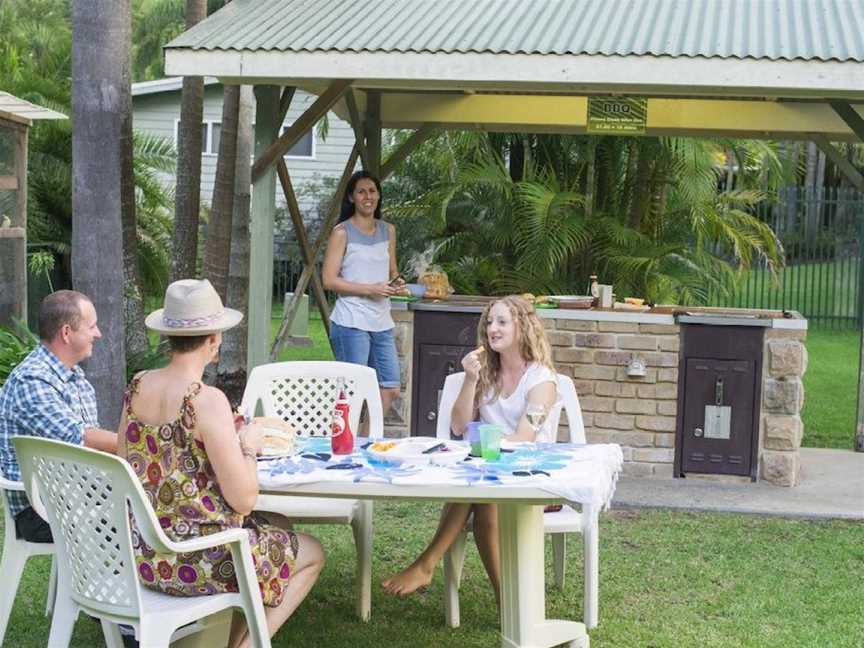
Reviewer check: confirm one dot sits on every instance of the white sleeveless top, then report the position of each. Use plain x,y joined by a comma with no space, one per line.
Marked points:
507,411
366,260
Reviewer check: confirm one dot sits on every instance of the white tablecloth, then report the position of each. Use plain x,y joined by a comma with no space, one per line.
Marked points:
582,474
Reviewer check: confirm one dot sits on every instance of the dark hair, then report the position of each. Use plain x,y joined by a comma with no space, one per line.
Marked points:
347,209
58,309
186,343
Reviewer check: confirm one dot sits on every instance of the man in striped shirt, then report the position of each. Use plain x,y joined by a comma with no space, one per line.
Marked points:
48,396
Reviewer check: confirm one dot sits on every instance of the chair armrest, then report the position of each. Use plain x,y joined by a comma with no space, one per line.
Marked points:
230,536
9,485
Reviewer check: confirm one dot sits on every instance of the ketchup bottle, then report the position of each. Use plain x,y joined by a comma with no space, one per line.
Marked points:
341,438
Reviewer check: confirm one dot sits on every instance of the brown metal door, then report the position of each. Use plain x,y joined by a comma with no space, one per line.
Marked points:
437,361
718,383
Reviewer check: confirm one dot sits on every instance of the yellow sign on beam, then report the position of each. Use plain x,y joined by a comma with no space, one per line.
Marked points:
617,115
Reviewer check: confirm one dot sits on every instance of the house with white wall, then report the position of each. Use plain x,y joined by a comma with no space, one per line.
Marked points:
156,110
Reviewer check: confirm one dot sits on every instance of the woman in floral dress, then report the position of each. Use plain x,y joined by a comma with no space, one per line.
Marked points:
200,472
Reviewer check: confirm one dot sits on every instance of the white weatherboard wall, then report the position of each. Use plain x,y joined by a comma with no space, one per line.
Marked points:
157,113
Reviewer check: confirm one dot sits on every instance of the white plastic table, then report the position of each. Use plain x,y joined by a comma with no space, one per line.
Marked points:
520,518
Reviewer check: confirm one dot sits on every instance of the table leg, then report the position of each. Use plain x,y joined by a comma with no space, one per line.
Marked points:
523,600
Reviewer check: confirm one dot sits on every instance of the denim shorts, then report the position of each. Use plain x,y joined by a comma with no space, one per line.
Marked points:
376,349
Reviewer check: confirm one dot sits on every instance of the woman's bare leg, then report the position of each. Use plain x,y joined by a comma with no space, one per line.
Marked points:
310,562
419,573
486,537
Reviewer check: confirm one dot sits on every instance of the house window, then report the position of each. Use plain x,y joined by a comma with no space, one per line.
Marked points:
304,148
210,133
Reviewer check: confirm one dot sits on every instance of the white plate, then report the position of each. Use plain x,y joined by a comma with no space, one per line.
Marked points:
411,451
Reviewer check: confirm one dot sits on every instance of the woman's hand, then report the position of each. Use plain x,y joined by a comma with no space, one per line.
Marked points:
381,290
472,363
252,436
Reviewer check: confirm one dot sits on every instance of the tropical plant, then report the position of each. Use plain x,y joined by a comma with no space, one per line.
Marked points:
647,214
15,343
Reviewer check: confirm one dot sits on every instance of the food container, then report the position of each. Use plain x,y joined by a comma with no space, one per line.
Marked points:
573,301
437,284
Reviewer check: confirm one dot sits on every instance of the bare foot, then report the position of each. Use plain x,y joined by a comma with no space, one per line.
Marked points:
408,580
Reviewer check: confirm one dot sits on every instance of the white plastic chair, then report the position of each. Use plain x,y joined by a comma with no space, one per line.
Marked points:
16,552
304,394
557,524
87,496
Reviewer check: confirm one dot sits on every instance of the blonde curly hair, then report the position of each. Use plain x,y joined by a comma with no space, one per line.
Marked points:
530,336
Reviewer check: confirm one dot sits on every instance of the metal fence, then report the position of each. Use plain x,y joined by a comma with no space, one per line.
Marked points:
821,231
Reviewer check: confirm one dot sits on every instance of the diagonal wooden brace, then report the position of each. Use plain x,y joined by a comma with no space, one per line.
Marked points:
299,128
309,268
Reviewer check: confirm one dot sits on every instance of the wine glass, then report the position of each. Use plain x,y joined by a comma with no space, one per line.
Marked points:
536,414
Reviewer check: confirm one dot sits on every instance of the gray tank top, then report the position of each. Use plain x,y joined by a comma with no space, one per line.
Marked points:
366,260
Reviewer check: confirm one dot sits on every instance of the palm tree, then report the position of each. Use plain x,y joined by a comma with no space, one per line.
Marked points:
99,64
187,201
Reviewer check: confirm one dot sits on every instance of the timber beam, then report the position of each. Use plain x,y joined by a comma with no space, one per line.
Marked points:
356,126
309,268
300,127
408,146
846,167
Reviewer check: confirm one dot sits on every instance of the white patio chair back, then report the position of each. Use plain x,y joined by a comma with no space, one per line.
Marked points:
16,552
567,400
304,394
557,524
87,497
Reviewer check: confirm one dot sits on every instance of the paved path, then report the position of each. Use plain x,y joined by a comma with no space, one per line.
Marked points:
832,486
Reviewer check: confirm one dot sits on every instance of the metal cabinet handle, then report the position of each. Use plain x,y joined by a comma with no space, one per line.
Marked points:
697,432
431,415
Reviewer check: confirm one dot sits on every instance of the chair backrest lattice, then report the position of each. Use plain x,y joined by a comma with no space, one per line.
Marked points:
307,403
304,393
78,498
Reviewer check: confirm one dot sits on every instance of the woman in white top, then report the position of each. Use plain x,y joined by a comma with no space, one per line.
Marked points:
511,370
360,265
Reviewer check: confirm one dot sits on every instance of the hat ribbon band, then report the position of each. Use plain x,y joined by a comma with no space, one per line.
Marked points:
194,322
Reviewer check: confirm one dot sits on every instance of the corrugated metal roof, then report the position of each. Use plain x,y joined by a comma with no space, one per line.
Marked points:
12,105
822,30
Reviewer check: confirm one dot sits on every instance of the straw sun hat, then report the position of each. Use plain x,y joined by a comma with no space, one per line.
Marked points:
192,307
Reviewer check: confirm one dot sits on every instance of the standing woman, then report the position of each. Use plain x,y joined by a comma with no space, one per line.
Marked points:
360,265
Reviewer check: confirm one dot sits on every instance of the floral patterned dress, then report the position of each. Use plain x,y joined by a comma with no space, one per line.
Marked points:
180,483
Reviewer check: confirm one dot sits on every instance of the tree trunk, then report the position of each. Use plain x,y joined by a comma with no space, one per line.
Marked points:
517,158
218,245
100,32
232,358
137,343
638,174
187,199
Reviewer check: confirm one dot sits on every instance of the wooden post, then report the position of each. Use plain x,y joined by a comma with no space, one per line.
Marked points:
356,126
309,268
263,210
373,132
855,122
303,242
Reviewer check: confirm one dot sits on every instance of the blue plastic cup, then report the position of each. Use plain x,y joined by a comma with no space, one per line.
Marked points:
473,431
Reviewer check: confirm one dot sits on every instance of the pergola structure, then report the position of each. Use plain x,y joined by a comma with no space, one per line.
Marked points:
16,118
774,69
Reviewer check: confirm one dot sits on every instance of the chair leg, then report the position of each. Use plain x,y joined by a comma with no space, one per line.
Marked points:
111,633
591,551
454,561
52,587
362,526
11,567
559,558
154,635
64,617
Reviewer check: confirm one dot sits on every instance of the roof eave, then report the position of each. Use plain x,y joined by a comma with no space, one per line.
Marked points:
646,75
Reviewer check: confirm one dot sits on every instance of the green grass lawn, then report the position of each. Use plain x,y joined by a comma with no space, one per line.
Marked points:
831,388
666,579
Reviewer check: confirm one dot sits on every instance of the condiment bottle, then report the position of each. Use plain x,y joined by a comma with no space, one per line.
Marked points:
341,438
594,290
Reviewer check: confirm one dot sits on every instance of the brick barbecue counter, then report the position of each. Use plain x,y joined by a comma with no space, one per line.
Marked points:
594,347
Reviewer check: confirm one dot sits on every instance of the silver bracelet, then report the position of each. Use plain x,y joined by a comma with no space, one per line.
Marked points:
246,450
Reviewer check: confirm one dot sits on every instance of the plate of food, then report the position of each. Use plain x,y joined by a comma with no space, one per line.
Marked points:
632,304
573,301
280,438
417,451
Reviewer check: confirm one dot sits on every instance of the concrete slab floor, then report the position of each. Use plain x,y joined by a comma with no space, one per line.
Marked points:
831,486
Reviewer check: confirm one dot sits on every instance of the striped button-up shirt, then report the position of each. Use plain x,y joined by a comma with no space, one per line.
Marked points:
43,398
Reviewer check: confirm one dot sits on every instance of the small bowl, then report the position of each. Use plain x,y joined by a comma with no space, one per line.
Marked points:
416,289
